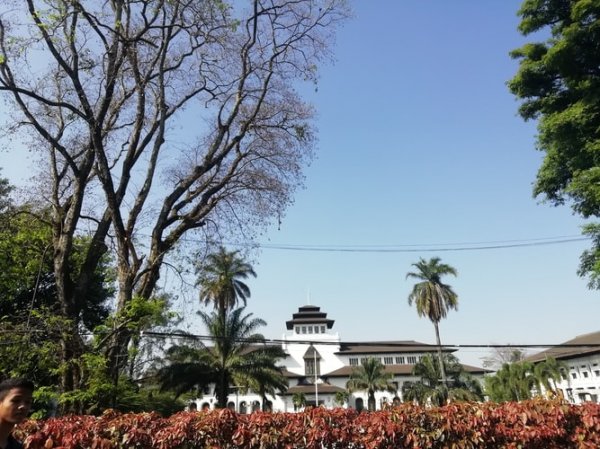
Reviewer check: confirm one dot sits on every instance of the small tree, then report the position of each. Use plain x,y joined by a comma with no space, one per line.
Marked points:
299,400
341,397
500,356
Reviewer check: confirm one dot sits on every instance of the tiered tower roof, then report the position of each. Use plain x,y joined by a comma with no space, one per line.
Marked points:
309,315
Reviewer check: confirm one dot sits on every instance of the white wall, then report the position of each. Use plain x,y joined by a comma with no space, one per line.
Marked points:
583,379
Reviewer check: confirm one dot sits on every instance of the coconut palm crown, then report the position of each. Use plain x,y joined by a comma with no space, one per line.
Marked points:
221,279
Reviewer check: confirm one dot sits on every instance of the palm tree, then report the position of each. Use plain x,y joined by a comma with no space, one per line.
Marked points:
221,280
238,356
460,386
186,370
432,297
513,382
370,376
547,373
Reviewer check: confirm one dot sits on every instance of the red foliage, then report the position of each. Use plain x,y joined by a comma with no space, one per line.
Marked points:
525,425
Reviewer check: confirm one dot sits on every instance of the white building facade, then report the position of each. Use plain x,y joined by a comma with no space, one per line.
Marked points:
581,359
318,365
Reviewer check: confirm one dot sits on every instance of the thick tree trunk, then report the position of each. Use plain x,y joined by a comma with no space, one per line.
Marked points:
222,391
440,355
70,344
371,404
116,353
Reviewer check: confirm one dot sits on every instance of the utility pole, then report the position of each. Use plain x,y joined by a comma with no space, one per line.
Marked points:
316,387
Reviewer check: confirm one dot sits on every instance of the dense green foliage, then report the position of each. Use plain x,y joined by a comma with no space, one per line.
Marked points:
590,259
371,377
558,81
460,386
26,272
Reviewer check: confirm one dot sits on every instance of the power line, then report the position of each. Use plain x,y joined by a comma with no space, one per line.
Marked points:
391,344
408,248
419,250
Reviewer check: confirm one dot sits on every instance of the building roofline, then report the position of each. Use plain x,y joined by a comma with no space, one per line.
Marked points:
381,347
580,346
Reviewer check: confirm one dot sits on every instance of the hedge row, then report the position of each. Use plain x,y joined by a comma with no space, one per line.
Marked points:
526,425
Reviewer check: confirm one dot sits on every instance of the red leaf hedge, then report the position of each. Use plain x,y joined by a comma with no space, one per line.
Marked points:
525,425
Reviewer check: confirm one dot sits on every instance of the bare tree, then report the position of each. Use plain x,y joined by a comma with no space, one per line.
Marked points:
502,355
156,118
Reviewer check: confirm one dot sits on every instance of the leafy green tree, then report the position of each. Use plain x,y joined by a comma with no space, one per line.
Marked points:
370,377
237,356
432,297
27,277
111,80
558,82
590,259
5,189
221,280
460,386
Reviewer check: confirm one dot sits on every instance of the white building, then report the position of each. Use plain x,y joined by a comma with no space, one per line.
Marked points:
318,364
581,357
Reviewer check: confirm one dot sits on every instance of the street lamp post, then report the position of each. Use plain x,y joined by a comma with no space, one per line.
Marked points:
316,386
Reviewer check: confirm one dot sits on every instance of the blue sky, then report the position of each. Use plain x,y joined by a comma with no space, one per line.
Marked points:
420,144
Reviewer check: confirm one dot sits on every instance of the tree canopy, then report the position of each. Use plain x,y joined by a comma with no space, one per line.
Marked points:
157,120
558,83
